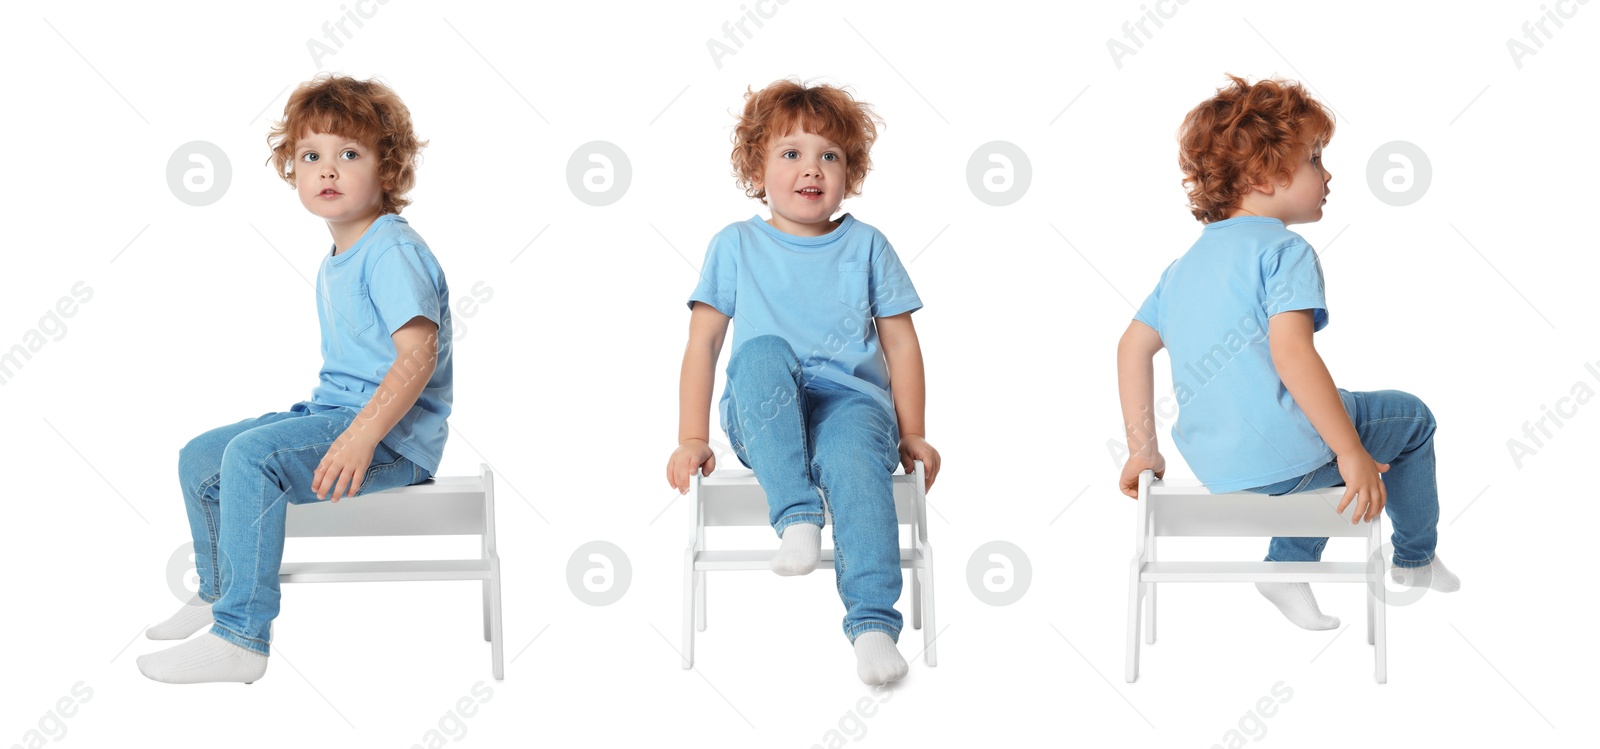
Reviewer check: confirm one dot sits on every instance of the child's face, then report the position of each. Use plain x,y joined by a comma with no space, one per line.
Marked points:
337,178
1308,188
804,176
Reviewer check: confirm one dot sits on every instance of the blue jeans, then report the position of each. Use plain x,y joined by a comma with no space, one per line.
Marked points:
802,436
237,482
1395,428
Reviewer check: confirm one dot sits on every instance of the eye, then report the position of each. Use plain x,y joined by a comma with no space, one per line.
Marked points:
830,156
791,154
309,156
350,152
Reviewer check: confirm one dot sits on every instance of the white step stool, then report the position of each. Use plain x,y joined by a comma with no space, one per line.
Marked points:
441,506
1192,511
734,498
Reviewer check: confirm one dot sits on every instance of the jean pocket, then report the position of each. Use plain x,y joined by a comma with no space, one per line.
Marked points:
352,309
382,470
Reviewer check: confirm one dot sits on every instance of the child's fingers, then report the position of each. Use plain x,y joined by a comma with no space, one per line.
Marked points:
341,484
1360,512
1349,494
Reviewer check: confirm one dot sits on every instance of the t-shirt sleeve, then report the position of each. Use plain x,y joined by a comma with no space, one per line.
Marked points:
719,275
402,286
1149,313
1292,280
889,289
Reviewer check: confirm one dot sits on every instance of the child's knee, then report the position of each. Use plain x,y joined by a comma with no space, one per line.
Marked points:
764,347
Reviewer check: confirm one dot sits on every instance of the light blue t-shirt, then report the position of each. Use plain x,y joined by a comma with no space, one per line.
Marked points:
818,293
364,295
1237,427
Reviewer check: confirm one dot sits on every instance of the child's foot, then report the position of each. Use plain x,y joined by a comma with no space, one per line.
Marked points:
1297,603
194,616
878,661
1431,575
799,551
205,659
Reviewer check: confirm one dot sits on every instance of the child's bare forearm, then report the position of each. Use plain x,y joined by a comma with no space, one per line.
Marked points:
407,377
694,392
1136,380
1306,377
909,386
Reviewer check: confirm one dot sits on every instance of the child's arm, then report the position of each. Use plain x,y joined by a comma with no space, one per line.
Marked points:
416,346
903,353
1308,381
707,330
1136,384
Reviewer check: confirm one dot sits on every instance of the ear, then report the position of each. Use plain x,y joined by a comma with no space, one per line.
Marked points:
1265,188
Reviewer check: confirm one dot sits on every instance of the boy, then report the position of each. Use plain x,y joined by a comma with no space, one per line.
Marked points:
1258,410
376,419
824,309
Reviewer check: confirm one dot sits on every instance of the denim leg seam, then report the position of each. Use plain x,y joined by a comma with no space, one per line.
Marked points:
211,531
249,607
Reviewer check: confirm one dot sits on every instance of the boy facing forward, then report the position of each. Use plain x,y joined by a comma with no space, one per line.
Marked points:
824,318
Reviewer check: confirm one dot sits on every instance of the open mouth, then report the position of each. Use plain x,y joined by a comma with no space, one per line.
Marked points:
810,193
329,193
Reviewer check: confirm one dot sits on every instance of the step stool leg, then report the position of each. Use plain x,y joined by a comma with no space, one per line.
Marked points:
1132,666
1371,599
497,641
700,600
688,607
930,632
916,599
1150,597
1380,644
487,635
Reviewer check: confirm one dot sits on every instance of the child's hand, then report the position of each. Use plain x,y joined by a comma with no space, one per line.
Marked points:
347,460
692,454
914,448
1361,482
1137,464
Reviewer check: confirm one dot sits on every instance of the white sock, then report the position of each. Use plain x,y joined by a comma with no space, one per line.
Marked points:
799,551
1297,603
1431,575
194,616
204,659
878,661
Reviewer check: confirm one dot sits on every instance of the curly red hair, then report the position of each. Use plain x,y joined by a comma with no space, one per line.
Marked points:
778,109
368,112
1246,135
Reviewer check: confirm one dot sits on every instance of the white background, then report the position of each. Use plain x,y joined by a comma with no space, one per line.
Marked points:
1477,298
